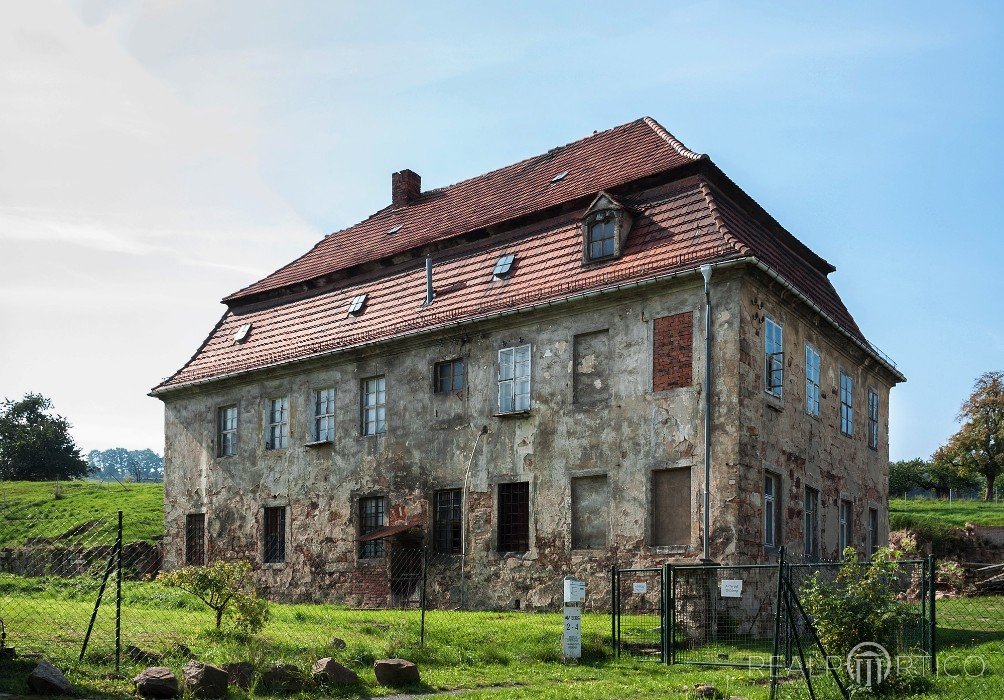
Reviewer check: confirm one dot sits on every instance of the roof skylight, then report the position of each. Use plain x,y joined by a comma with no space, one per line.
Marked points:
560,176
242,332
394,230
356,305
503,266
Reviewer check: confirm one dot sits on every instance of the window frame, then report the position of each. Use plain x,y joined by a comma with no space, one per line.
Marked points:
510,382
813,361
223,432
373,549
195,529
448,532
271,424
275,539
873,525
454,376
846,404
775,505
810,522
513,534
845,532
378,408
328,435
773,366
873,419
607,221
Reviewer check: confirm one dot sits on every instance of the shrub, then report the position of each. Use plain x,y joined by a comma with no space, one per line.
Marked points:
226,587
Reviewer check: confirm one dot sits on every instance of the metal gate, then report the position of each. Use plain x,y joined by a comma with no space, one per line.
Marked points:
638,613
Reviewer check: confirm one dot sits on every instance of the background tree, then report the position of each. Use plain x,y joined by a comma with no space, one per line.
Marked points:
978,448
35,444
906,475
120,464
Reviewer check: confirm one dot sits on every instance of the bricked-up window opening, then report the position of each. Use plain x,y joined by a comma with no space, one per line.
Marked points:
811,525
590,512
811,381
846,525
277,432
872,531
275,535
195,539
873,419
846,404
771,509
372,516
602,237
514,379
448,524
374,408
591,367
226,422
324,415
672,351
514,517
670,507
450,376
773,358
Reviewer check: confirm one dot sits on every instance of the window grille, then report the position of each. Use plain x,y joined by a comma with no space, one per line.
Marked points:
514,379
372,516
227,426
324,415
449,522
275,535
514,517
374,394
195,539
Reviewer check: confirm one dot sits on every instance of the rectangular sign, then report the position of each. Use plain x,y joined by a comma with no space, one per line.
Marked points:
639,587
571,636
732,588
575,590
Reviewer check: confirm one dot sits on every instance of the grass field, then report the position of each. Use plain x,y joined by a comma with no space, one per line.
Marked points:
30,509
905,513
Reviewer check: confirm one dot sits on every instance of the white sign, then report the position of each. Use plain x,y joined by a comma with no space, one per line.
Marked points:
639,587
575,590
732,588
571,636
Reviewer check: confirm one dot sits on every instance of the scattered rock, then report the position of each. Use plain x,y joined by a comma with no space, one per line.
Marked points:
205,681
46,679
141,656
286,678
706,691
395,672
239,673
7,654
330,672
157,682
182,651
337,643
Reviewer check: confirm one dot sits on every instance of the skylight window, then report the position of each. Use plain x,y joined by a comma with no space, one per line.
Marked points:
242,332
503,266
356,305
560,176
394,230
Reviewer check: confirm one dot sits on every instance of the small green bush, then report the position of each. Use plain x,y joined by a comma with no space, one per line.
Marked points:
226,587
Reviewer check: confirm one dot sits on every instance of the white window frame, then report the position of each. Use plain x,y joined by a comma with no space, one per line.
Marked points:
773,357
226,431
845,535
873,419
812,367
514,379
373,401
771,514
324,415
277,423
810,521
846,404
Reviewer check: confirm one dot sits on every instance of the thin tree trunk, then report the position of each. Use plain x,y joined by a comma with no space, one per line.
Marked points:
219,617
990,488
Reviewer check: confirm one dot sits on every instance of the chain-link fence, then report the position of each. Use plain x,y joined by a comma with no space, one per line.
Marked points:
970,620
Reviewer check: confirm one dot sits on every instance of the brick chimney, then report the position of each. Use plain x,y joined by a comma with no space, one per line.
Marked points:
405,187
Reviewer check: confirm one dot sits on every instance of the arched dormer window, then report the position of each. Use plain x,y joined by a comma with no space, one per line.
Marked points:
604,229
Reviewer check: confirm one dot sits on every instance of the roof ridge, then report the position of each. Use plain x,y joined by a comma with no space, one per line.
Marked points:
672,140
723,228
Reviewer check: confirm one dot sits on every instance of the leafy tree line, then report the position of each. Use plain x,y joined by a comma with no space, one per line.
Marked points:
120,464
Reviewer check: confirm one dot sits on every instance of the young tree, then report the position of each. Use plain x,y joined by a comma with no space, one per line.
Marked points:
35,445
978,447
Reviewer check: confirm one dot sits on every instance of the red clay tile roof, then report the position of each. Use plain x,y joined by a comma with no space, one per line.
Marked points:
601,161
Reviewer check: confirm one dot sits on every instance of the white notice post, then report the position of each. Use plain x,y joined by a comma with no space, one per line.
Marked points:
571,634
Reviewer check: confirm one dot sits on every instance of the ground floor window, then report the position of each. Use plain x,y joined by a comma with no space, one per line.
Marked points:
372,517
846,525
670,507
195,539
872,531
448,531
275,535
514,517
771,509
590,512
811,525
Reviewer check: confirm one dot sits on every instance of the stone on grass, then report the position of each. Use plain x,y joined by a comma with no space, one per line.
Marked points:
702,690
205,681
239,673
329,672
157,682
285,678
142,656
46,679
395,672
182,650
337,643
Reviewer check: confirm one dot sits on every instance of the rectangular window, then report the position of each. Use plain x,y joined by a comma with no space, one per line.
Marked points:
277,432
590,512
514,517
672,351
591,367
374,400
372,516
449,530
449,376
670,508
846,525
275,535
873,535
811,381
195,539
873,419
846,404
227,427
514,379
811,525
324,415
771,509
773,358
601,238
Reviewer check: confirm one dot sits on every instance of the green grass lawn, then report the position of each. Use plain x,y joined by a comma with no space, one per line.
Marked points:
911,513
31,509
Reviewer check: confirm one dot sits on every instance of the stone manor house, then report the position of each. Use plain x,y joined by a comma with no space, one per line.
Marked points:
533,369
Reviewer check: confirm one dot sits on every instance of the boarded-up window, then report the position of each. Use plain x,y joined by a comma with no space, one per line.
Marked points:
591,381
672,351
590,512
671,516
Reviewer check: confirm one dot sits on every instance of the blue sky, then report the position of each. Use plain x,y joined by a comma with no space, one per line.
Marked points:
160,155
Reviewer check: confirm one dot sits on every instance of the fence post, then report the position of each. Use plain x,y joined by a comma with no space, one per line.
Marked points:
614,647
664,613
932,591
425,578
118,599
672,614
777,622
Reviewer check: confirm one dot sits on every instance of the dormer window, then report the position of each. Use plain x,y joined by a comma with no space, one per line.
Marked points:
604,229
